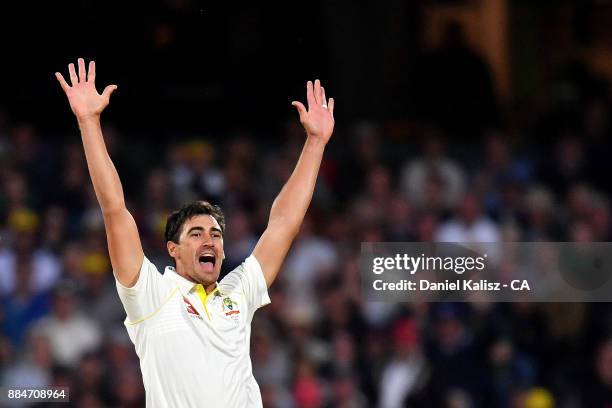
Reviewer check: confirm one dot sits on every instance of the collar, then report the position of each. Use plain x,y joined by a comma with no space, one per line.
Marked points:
184,284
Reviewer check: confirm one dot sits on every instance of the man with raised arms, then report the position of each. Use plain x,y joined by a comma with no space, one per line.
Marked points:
191,332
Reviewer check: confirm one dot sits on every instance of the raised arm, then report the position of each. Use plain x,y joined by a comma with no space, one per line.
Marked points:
87,105
289,208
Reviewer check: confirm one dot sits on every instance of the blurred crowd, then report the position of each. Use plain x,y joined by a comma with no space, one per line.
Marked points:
319,343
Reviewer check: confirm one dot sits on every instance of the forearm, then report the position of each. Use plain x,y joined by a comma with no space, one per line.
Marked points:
104,177
290,207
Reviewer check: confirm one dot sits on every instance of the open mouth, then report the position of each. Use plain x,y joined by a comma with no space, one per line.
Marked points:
207,260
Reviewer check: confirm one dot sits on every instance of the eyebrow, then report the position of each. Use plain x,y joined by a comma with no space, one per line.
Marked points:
202,229
194,229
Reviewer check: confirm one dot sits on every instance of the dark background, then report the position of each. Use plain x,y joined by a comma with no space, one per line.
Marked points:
490,118
186,64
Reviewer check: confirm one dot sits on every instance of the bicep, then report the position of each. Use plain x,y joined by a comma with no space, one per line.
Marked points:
124,246
272,249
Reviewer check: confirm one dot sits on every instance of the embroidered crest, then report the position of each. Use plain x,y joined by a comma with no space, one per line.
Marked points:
230,308
228,303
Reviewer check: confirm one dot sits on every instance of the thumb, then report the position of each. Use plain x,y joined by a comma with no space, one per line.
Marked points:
108,91
300,108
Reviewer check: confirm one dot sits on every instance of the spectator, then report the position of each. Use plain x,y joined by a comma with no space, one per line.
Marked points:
405,376
470,225
34,370
44,265
70,333
433,180
310,258
598,393
24,306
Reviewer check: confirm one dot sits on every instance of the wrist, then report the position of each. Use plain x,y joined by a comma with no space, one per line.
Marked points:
88,119
315,142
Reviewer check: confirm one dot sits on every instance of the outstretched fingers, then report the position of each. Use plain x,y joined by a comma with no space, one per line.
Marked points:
323,98
62,81
300,108
82,72
317,92
74,80
91,74
108,91
315,96
310,98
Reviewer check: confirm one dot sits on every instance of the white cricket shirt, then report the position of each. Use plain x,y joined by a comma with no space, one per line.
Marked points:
191,355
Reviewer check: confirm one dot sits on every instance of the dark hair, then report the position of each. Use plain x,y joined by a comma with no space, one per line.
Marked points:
175,221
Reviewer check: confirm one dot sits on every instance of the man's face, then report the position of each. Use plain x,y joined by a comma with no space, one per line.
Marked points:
199,253
63,306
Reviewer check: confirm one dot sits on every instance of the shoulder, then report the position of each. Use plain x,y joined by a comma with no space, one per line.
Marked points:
247,280
249,268
147,271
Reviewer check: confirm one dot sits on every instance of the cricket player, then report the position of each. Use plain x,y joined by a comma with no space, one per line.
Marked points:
191,331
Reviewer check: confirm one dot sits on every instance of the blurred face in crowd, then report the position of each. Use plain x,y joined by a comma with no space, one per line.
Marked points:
63,305
24,270
449,333
157,186
41,351
129,389
379,183
433,148
91,371
199,253
405,338
15,188
604,363
498,152
469,209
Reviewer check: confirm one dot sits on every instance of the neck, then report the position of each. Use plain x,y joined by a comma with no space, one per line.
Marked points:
208,287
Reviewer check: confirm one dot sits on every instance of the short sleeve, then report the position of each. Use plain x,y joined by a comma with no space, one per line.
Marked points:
146,296
249,279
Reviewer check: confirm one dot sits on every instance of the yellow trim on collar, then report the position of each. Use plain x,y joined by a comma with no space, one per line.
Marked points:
204,296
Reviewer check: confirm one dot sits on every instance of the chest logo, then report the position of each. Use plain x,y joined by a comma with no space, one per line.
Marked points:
191,311
230,307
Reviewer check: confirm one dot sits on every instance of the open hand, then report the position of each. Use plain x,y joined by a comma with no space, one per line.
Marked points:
85,101
318,120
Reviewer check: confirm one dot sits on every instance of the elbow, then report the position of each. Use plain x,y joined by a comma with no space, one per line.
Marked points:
110,209
294,231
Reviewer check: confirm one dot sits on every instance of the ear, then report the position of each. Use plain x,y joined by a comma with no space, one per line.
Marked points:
172,248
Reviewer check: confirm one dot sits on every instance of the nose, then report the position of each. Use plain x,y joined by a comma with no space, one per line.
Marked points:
207,240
